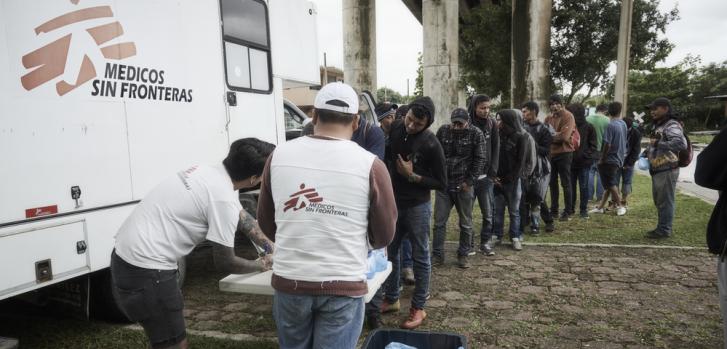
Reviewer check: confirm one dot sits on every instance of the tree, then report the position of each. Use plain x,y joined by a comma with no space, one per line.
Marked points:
584,43
585,38
419,83
670,82
685,84
385,94
484,52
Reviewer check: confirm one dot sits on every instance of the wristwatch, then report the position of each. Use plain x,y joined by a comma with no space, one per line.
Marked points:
412,177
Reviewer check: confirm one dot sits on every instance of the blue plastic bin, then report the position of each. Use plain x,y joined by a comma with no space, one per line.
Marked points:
380,338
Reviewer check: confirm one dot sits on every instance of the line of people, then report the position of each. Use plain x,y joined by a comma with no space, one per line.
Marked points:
329,198
509,160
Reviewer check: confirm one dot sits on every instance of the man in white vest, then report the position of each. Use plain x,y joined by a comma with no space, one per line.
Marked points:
324,201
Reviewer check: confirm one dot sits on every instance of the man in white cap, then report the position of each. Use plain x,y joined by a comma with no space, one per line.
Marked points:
324,201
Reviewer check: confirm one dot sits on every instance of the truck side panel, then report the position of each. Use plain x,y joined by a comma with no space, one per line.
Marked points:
50,142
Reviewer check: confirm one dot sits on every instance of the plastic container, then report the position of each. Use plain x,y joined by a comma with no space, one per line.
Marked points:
380,338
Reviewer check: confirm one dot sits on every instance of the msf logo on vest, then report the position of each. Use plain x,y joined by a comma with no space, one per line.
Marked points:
311,202
49,62
302,198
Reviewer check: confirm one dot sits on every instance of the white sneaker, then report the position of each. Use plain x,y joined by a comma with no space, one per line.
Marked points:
517,244
620,211
597,210
472,252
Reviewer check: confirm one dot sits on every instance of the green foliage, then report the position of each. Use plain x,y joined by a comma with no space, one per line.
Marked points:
385,94
419,84
485,37
584,40
685,84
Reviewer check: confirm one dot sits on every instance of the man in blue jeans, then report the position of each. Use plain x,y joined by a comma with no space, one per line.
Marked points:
419,168
599,121
324,200
480,117
513,150
463,149
665,143
633,147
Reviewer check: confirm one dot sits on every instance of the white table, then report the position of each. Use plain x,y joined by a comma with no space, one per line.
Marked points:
259,283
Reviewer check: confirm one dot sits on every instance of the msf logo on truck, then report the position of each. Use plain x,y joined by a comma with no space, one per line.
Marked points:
49,61
124,81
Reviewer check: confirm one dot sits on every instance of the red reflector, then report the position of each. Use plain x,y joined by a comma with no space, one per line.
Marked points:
41,211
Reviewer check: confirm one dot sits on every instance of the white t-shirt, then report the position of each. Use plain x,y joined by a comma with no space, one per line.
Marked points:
195,204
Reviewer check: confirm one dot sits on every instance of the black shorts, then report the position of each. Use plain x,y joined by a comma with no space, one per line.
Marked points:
609,175
151,298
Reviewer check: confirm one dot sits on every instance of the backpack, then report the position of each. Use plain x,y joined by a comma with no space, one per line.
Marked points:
531,156
685,156
575,139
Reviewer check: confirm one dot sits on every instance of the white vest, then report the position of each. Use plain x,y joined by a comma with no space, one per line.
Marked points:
321,193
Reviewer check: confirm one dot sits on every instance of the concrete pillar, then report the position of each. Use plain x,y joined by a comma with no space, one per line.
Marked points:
440,61
621,92
359,44
530,68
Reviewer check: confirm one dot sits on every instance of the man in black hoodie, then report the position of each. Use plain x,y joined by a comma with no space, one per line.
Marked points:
711,172
513,149
533,205
633,149
419,167
583,159
479,110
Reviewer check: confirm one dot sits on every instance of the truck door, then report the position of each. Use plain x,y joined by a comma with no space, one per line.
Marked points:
248,70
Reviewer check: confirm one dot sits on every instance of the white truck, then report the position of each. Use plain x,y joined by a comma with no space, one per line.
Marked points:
101,99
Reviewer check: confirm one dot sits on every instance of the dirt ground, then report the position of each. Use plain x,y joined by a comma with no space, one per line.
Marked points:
541,297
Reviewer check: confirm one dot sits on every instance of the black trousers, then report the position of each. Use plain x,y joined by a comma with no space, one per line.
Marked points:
561,167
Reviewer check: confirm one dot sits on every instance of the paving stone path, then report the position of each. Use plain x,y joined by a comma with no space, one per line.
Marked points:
541,297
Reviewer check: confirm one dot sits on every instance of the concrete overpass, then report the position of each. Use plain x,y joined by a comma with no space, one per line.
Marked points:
440,21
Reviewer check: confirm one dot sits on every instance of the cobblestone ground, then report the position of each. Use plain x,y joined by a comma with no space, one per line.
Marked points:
541,297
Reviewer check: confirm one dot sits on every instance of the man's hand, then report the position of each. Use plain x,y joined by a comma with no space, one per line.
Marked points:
404,167
266,262
464,187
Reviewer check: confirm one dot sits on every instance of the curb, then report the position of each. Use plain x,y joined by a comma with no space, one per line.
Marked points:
238,337
597,245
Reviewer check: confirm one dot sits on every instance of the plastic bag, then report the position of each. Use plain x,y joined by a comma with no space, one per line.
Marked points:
643,164
376,262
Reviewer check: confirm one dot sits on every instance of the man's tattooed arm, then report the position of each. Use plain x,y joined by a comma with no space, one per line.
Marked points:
248,226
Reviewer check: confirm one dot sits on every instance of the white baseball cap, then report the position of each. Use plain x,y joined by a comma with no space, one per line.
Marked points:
337,96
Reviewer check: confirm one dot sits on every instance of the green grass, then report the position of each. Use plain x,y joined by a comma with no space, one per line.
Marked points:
704,139
690,223
42,333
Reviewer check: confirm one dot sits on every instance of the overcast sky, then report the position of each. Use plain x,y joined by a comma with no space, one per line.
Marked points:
700,31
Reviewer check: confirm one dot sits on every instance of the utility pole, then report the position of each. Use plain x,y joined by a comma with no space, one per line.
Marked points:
407,89
624,48
325,70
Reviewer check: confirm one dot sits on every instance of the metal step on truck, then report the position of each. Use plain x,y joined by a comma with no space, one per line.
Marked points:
101,99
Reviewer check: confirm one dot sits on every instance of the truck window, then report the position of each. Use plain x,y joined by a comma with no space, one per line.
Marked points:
246,34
